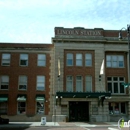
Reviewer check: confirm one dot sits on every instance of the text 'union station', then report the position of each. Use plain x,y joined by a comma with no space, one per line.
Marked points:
77,77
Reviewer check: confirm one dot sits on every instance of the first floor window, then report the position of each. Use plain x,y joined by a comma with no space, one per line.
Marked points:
40,82
3,108
21,107
69,83
117,108
22,82
79,84
4,82
40,107
115,86
88,81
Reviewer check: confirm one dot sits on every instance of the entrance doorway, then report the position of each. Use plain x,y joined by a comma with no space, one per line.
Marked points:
78,111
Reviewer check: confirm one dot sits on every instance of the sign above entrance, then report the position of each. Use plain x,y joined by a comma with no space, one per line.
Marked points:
59,31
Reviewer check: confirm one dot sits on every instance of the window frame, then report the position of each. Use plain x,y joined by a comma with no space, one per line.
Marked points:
23,59
86,81
88,60
81,82
22,82
68,59
40,76
113,61
80,60
4,83
113,84
41,60
69,81
6,59
112,112
21,107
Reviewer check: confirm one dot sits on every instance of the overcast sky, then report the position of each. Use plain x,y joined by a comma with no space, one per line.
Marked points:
33,21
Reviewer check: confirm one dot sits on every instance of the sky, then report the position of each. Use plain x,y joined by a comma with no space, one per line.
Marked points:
33,21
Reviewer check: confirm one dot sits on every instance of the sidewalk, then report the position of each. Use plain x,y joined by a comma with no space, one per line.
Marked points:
58,124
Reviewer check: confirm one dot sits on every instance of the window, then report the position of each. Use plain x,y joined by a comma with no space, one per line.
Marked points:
41,60
69,61
5,59
4,82
21,108
88,60
3,108
88,84
114,85
40,107
24,59
69,84
115,61
79,84
78,59
22,82
40,82
117,108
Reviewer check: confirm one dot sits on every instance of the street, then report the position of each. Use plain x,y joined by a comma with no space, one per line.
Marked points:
65,128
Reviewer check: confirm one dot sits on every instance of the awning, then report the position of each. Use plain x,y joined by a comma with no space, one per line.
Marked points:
40,97
3,98
21,98
82,94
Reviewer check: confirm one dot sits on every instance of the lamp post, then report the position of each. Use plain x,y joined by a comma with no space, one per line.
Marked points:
120,38
128,36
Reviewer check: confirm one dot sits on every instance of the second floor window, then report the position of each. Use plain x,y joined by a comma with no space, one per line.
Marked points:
115,61
4,82
69,83
88,60
22,82
24,59
79,84
69,60
41,83
5,59
114,85
41,60
78,59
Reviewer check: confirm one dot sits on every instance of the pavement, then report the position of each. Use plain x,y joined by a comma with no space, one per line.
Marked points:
58,124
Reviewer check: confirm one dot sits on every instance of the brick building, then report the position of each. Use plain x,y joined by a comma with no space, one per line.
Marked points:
25,74
62,80
82,92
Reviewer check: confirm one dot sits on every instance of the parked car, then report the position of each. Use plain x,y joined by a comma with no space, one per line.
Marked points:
4,121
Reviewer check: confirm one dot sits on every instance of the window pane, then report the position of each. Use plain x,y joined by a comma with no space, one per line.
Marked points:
21,108
40,82
121,61
78,59
115,87
116,108
5,59
3,108
109,85
4,82
121,88
23,82
110,108
88,59
123,110
79,86
40,107
24,59
41,59
69,84
88,83
69,59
